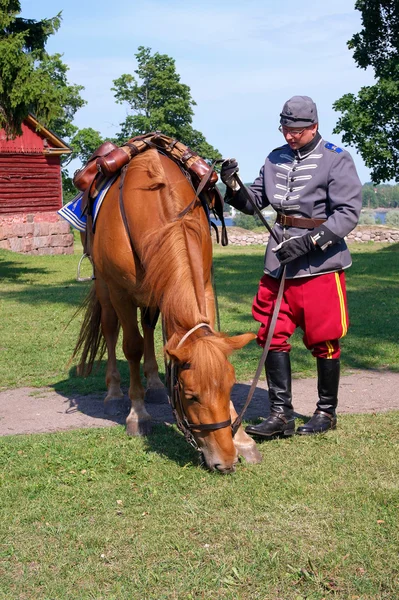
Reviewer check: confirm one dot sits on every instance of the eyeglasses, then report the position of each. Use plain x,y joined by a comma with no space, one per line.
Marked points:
293,132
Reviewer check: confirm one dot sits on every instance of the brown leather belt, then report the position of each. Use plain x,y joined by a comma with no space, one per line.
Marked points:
301,222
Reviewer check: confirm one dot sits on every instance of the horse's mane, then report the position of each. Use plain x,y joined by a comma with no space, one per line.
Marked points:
169,275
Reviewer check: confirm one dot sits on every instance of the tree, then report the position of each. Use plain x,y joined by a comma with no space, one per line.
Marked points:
84,142
370,120
33,81
369,196
22,85
159,101
64,95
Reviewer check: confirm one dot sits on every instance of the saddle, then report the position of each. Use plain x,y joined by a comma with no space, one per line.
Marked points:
108,160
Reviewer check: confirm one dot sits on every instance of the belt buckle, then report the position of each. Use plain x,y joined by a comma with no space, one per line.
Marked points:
283,219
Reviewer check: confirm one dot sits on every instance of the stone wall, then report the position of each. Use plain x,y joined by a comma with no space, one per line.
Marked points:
373,233
36,233
362,234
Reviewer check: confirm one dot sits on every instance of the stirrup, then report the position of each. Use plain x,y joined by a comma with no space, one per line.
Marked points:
78,277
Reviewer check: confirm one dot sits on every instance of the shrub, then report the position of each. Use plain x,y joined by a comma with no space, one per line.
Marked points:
392,218
244,221
251,221
366,218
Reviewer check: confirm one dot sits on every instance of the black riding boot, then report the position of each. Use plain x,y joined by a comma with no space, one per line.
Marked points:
281,421
325,417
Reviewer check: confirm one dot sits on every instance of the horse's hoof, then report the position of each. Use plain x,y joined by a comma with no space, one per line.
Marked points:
250,453
115,407
156,396
114,393
138,428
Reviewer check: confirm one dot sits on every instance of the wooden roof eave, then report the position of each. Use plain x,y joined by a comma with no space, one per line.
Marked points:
60,146
56,151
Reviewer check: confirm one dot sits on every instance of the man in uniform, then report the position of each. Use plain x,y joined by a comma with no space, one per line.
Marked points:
315,190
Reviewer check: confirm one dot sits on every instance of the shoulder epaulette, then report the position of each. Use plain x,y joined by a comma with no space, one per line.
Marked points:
333,147
278,148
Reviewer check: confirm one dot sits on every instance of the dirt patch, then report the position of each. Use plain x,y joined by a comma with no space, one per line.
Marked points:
38,410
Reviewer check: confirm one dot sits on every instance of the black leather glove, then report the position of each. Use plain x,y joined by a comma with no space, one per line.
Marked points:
227,172
320,237
294,247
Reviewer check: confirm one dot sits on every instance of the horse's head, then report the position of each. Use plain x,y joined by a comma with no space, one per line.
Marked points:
205,378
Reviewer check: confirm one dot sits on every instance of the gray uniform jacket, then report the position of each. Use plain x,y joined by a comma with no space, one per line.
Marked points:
318,181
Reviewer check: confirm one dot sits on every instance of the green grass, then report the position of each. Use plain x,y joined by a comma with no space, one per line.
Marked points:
39,296
96,515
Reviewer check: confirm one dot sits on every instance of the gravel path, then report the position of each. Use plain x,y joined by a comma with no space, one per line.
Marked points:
37,410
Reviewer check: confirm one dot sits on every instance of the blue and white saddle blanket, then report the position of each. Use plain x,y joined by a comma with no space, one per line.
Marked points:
72,211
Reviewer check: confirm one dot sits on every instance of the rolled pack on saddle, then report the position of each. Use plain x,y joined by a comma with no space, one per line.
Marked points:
108,161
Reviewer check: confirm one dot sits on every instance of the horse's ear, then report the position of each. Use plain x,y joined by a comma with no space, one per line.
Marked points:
239,341
178,355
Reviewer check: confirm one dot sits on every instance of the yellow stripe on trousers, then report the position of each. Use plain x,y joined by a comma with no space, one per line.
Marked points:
330,349
344,322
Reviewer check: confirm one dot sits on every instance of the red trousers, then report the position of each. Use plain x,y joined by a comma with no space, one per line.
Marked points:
315,304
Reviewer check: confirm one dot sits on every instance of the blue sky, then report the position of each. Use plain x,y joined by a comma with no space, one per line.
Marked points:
241,60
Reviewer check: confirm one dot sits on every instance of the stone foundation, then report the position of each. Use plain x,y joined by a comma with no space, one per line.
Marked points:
36,233
362,234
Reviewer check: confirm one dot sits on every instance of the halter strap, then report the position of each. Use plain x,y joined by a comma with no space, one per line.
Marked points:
186,335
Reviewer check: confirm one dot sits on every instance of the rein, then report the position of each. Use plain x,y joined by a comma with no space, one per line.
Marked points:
265,352
196,198
273,322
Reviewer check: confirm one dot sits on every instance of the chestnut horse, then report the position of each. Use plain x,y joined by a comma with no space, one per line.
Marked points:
161,258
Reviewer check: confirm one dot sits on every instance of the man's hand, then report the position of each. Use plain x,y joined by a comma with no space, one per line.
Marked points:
320,237
227,172
294,247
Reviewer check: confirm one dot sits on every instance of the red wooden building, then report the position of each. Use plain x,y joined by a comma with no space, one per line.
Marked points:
31,192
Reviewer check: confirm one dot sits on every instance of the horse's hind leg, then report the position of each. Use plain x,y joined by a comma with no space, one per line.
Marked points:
155,389
110,329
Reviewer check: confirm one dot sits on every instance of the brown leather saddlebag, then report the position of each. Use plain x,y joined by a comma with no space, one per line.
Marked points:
83,177
114,161
200,168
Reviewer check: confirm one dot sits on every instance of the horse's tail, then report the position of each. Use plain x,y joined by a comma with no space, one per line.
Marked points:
91,342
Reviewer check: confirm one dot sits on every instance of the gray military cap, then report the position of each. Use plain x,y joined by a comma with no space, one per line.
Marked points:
299,111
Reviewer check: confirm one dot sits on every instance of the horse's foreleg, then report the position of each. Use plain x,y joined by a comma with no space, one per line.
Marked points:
245,445
138,421
155,389
110,330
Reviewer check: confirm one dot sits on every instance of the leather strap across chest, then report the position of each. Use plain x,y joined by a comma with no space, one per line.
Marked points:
300,222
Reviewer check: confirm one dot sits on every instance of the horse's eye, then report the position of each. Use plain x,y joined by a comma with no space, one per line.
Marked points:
191,397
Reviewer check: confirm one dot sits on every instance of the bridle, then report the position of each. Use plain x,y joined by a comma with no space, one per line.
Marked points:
175,398
174,387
